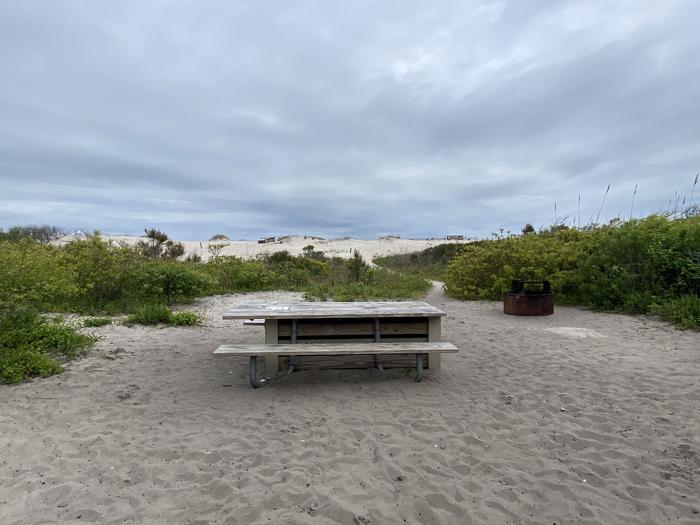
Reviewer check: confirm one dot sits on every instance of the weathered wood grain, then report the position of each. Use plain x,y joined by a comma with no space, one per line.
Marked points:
360,327
335,349
328,310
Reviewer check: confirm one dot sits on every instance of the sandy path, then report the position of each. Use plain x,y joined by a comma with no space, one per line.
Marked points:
575,418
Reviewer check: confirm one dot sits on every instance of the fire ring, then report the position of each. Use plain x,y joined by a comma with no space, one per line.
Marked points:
529,298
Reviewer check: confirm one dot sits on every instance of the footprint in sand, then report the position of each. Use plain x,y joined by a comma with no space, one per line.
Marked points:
574,332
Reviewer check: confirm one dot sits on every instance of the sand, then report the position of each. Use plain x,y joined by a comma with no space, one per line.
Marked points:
575,418
294,245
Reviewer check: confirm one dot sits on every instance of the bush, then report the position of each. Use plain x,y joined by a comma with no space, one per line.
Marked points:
629,267
684,311
232,274
484,269
626,267
184,319
150,314
43,234
35,275
102,273
171,281
94,322
31,346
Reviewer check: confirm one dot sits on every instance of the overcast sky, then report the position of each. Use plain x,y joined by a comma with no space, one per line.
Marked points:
343,118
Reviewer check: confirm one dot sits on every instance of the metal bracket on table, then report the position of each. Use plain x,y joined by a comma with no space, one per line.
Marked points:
253,371
291,366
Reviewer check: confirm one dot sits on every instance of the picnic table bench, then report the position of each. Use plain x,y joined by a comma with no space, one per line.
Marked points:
313,335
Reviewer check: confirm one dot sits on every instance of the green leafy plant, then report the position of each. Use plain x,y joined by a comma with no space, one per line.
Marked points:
184,319
636,266
31,345
683,311
150,314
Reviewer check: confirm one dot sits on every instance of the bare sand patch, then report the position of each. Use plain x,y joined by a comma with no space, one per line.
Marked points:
530,423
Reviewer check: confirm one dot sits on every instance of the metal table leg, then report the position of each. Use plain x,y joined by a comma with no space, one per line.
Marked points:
253,373
419,368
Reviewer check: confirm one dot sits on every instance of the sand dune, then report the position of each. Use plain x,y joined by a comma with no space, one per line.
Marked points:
576,418
295,244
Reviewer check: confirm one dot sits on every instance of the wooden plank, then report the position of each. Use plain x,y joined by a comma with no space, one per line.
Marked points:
329,310
362,327
254,322
335,349
357,340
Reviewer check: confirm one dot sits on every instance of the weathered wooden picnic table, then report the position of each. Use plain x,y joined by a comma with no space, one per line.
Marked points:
313,335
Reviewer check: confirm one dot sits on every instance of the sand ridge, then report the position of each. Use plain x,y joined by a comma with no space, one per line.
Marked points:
531,423
294,245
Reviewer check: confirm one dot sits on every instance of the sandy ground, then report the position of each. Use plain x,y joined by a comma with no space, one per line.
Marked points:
294,245
575,418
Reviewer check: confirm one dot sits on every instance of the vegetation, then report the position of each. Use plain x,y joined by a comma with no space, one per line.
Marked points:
430,263
31,345
42,234
92,276
684,311
649,265
161,314
184,319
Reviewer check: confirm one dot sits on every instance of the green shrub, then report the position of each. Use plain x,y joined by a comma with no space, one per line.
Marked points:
170,281
94,322
150,314
184,319
684,311
38,233
35,275
102,273
627,267
31,345
233,274
484,269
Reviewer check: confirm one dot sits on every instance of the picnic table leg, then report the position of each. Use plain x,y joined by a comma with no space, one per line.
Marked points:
434,336
253,373
271,338
419,368
378,362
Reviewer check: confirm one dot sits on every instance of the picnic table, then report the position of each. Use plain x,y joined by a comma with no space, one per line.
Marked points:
314,335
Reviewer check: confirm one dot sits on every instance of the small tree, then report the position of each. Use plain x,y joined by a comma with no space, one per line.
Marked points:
528,228
215,249
159,246
219,237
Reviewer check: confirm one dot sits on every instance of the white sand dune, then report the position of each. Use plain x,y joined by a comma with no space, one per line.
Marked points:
537,420
295,244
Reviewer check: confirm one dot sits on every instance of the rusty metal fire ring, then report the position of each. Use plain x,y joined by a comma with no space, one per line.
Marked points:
529,298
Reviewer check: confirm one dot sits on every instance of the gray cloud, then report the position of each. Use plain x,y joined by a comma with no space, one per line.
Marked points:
359,118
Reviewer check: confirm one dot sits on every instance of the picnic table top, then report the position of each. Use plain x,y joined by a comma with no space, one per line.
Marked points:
330,310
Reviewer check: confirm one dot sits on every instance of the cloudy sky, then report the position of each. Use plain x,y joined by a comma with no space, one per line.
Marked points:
343,118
